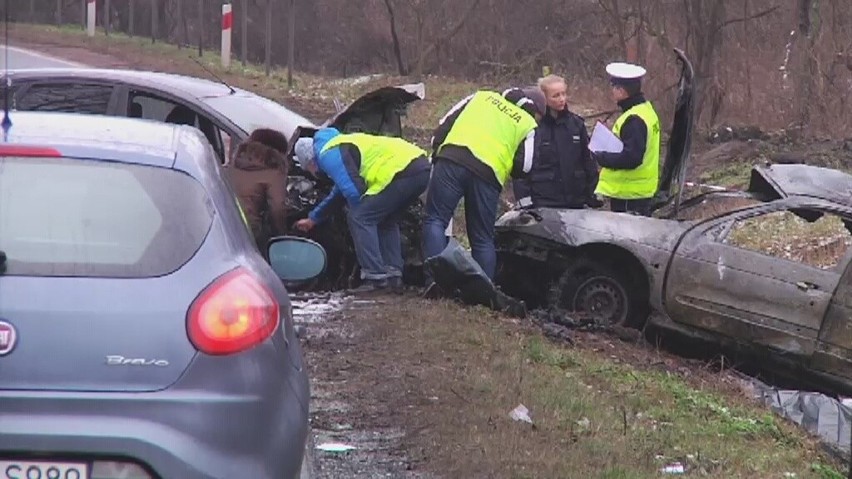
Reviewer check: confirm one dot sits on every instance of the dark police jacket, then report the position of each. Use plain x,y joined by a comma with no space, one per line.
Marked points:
563,175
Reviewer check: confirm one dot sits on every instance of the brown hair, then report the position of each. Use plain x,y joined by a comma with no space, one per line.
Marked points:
271,138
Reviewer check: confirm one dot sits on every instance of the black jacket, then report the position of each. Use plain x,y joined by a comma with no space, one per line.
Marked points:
634,136
563,173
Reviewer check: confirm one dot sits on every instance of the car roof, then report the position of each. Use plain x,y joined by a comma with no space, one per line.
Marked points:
129,140
182,84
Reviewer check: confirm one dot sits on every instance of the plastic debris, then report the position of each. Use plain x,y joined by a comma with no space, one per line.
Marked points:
674,468
521,413
335,447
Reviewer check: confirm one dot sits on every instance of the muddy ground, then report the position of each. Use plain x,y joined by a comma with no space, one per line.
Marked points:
423,389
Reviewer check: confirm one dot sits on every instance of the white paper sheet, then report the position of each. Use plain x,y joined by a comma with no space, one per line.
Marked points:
604,140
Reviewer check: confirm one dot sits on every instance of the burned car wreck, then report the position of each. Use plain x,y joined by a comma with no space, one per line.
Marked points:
767,274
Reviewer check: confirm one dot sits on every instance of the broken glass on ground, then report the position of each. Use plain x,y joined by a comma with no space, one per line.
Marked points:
460,277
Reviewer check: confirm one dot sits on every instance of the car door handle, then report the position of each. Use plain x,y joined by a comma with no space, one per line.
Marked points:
805,286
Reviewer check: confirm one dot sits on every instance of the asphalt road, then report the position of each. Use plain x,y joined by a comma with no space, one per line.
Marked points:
20,58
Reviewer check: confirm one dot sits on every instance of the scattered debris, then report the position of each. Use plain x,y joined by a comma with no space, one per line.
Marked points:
674,468
335,447
521,413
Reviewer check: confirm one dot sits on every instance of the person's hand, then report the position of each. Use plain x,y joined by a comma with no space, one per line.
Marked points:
305,225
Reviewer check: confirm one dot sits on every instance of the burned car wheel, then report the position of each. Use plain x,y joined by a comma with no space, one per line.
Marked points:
594,291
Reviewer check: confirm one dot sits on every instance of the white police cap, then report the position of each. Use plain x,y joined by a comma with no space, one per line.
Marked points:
625,71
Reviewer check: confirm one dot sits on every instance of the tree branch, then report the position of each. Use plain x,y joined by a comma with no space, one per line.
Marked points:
764,13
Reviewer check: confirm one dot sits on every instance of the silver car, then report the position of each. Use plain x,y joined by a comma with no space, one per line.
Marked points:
142,334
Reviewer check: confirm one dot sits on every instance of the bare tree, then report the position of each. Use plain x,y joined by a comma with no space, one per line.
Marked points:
244,31
291,44
397,50
268,57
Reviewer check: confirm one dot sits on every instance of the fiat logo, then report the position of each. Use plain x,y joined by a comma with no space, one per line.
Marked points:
8,338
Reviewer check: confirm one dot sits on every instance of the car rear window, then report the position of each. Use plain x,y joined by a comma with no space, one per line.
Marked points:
73,217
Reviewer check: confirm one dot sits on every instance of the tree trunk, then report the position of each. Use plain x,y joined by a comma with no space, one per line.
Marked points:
106,17
32,11
809,29
153,21
131,20
291,44
397,51
268,56
244,9
200,28
180,25
59,12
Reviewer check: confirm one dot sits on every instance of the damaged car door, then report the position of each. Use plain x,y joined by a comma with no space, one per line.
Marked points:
739,278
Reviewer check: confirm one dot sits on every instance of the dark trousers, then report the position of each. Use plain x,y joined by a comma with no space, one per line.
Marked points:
374,225
641,207
449,184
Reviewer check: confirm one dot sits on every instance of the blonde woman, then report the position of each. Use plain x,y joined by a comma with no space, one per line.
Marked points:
563,173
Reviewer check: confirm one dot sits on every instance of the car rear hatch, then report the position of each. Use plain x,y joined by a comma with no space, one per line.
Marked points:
679,144
379,112
98,277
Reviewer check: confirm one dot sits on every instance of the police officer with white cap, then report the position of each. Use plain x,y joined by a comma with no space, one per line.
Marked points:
630,178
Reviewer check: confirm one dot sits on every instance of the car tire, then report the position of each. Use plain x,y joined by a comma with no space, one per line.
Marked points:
599,293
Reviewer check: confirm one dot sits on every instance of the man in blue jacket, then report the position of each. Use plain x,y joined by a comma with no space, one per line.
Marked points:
378,177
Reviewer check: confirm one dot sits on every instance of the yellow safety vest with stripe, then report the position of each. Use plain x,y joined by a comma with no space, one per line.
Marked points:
642,181
492,128
382,157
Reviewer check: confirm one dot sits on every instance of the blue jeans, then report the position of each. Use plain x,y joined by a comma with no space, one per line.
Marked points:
374,225
449,184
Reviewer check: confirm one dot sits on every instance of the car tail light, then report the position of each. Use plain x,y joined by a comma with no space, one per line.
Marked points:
29,151
232,314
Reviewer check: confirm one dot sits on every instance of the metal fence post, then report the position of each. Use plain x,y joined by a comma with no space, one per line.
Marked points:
90,17
227,23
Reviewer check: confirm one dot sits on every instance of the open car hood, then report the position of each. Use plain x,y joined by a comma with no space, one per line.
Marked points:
379,112
778,181
680,139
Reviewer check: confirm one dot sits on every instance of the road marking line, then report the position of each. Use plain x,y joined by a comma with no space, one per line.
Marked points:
44,56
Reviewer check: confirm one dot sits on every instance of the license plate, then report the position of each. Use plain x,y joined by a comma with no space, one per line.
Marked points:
43,470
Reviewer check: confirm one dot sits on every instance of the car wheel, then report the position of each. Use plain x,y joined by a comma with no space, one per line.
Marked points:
595,291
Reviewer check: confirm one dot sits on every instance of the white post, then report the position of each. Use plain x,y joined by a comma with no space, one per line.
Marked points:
90,21
227,23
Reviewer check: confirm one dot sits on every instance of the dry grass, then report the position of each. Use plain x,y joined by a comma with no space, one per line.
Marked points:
595,414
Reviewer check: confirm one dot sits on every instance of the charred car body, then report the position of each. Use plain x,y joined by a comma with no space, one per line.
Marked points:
708,278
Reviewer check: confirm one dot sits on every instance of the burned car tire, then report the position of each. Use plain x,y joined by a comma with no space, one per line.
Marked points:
596,293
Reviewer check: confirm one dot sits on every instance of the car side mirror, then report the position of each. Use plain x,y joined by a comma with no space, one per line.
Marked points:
296,259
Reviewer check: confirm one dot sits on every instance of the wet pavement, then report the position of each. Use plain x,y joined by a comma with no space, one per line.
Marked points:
344,440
